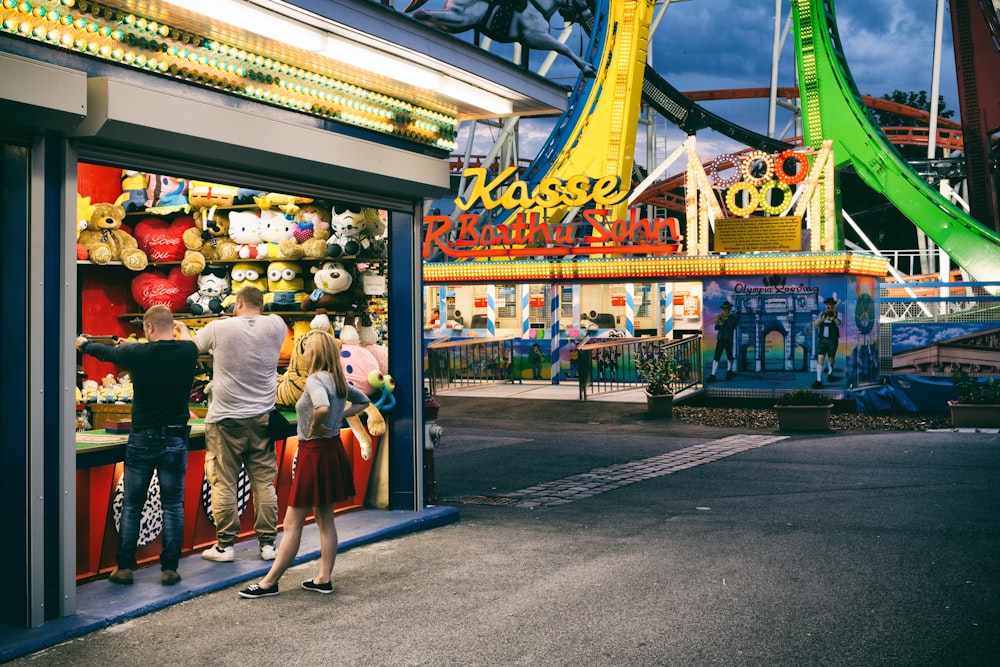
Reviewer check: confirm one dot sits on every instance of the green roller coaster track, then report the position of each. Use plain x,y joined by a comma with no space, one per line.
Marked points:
833,109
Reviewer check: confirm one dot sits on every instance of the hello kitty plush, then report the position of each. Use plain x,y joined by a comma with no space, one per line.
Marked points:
244,230
276,228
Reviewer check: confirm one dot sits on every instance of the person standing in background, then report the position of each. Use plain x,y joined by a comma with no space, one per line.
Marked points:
245,352
162,371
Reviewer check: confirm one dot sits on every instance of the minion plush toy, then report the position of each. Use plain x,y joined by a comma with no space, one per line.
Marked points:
243,274
285,287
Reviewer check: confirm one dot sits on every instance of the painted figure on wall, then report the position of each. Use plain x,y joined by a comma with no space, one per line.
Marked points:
725,326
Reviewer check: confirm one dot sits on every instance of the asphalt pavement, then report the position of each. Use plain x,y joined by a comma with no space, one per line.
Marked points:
589,534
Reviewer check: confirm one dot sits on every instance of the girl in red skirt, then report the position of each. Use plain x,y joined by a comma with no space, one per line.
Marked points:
322,472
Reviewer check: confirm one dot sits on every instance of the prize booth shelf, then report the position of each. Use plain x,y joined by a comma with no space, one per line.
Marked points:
99,464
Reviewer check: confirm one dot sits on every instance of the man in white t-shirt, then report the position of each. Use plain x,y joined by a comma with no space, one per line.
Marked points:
245,352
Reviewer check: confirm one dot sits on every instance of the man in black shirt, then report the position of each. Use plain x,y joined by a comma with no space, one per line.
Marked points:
162,373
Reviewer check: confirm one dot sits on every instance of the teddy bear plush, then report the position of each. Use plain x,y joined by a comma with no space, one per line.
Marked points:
373,241
106,241
208,241
309,234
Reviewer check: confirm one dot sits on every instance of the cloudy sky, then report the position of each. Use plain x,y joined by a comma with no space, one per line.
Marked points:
722,44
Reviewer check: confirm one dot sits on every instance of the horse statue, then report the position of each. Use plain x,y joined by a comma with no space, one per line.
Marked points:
506,21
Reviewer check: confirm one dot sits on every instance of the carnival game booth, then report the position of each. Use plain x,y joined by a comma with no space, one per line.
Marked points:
143,145
761,237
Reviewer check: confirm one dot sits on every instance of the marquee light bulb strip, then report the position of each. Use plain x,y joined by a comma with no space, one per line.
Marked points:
136,41
673,267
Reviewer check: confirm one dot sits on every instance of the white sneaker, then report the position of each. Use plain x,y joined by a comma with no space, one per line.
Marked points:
219,554
268,552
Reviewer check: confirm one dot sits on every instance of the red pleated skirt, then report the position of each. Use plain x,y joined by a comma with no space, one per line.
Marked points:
322,475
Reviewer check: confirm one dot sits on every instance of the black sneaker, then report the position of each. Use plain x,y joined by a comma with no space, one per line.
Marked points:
256,591
710,378
817,385
319,588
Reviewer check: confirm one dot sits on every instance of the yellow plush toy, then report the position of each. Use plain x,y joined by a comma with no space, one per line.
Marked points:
106,241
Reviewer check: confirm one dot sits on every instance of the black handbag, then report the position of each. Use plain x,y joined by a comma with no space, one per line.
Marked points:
277,426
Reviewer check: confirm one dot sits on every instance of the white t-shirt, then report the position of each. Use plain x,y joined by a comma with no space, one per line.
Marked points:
245,353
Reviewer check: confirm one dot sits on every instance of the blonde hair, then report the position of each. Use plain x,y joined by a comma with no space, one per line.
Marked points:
324,355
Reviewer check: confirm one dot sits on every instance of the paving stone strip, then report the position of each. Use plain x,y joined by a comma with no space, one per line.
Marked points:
607,478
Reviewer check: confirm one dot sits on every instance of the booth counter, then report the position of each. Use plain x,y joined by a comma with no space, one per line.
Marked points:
99,467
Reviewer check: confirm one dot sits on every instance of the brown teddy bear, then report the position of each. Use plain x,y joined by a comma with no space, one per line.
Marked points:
311,230
106,241
208,241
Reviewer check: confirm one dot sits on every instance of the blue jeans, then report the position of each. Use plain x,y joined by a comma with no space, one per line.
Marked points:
164,451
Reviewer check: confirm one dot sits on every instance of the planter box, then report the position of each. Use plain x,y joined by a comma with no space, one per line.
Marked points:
660,405
803,417
970,415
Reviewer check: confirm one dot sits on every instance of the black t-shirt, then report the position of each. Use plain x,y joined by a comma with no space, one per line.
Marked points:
162,374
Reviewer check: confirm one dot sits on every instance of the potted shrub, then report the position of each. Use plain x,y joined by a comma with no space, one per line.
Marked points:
803,409
978,403
658,368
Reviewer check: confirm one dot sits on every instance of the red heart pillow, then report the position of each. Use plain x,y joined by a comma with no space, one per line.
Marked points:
152,287
161,240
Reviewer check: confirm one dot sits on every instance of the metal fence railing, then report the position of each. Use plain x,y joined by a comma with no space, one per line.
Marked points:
608,365
466,362
955,307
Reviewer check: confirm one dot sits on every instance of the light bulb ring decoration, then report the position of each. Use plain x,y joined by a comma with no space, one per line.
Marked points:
753,199
765,197
718,164
752,161
801,172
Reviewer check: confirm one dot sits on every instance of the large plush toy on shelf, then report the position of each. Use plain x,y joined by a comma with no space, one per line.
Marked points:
358,362
156,287
276,229
309,234
83,212
373,242
293,381
244,230
242,275
213,287
207,195
285,286
106,241
133,196
161,239
165,191
336,289
345,233
287,203
207,241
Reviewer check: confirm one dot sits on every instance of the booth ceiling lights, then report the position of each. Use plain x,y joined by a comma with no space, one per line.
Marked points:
649,268
297,78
